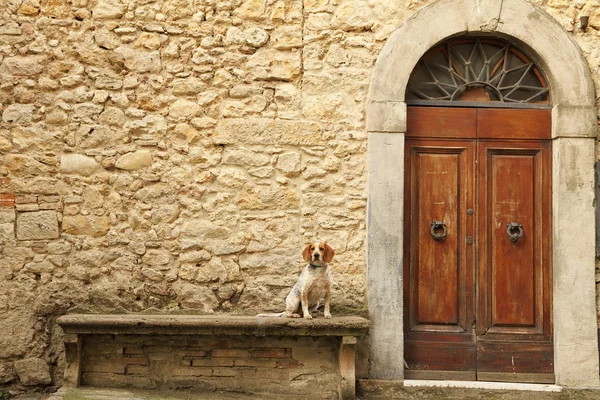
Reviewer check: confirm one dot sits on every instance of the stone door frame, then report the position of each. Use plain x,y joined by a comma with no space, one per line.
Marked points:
574,130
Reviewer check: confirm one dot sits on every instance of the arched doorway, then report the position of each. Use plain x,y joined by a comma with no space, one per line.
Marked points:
572,132
477,201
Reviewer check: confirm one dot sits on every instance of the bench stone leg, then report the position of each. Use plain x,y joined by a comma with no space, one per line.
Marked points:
73,356
347,368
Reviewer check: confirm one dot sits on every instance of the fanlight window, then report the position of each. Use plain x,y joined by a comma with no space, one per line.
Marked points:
477,70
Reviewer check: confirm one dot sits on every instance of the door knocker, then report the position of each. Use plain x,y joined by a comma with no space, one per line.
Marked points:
514,231
435,226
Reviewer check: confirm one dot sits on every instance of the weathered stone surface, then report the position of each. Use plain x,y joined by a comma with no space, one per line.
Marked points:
156,257
274,65
79,164
94,226
33,371
7,216
106,39
204,230
183,109
244,157
353,16
140,61
7,373
20,65
287,37
289,164
266,131
256,37
55,8
108,9
196,297
37,225
134,161
18,113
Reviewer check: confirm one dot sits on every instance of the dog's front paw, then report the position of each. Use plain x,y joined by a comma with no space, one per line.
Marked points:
327,315
308,316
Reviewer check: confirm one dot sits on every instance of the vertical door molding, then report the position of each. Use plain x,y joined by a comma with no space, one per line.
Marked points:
573,130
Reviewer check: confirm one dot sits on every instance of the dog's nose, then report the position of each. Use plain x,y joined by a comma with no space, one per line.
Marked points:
316,256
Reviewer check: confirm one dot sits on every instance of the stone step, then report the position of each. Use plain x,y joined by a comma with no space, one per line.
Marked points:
455,390
367,390
89,393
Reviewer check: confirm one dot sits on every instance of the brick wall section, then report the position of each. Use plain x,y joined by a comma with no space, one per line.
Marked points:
271,364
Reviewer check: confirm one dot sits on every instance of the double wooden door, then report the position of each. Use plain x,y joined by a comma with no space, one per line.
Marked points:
477,258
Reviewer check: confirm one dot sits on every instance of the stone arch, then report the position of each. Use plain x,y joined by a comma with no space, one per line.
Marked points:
573,132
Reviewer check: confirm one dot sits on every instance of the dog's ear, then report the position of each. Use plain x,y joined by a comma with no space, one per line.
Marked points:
306,253
328,253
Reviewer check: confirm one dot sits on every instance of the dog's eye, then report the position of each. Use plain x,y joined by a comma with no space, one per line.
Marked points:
312,247
322,248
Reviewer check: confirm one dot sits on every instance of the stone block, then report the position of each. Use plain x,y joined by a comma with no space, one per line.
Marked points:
134,161
37,225
79,164
108,9
274,65
7,373
91,225
33,371
20,65
7,216
268,131
55,8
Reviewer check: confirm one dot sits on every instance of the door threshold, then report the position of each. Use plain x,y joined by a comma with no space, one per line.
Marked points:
535,387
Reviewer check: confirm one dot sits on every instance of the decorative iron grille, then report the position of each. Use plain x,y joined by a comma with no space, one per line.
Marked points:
491,69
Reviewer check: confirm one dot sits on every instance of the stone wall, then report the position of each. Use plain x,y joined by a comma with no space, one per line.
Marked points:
176,155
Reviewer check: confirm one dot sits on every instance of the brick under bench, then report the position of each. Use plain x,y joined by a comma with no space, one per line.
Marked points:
315,357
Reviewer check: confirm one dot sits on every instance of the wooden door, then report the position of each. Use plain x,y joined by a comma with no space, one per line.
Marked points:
477,262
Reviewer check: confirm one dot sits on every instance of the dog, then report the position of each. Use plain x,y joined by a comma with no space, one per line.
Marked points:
314,284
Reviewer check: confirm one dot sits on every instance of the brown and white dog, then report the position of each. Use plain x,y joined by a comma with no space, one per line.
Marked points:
314,284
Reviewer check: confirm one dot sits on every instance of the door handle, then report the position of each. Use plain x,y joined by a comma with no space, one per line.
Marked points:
435,226
514,231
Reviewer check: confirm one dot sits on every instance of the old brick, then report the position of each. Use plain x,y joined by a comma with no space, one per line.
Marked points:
229,353
104,349
212,362
191,371
106,367
224,372
262,363
137,369
271,353
7,200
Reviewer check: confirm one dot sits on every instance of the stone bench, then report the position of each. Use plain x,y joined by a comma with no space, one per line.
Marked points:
314,358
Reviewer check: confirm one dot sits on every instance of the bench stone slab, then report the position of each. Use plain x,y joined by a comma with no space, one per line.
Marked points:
207,351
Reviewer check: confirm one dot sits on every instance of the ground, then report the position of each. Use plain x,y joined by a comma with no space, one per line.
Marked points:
384,392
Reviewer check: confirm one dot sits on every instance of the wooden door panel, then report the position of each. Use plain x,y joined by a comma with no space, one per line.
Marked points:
506,357
438,284
440,178
436,264
498,123
512,268
440,122
513,276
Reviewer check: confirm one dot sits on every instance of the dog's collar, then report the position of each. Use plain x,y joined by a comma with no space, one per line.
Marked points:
316,266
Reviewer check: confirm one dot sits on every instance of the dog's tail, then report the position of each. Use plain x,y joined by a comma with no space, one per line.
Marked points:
276,315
